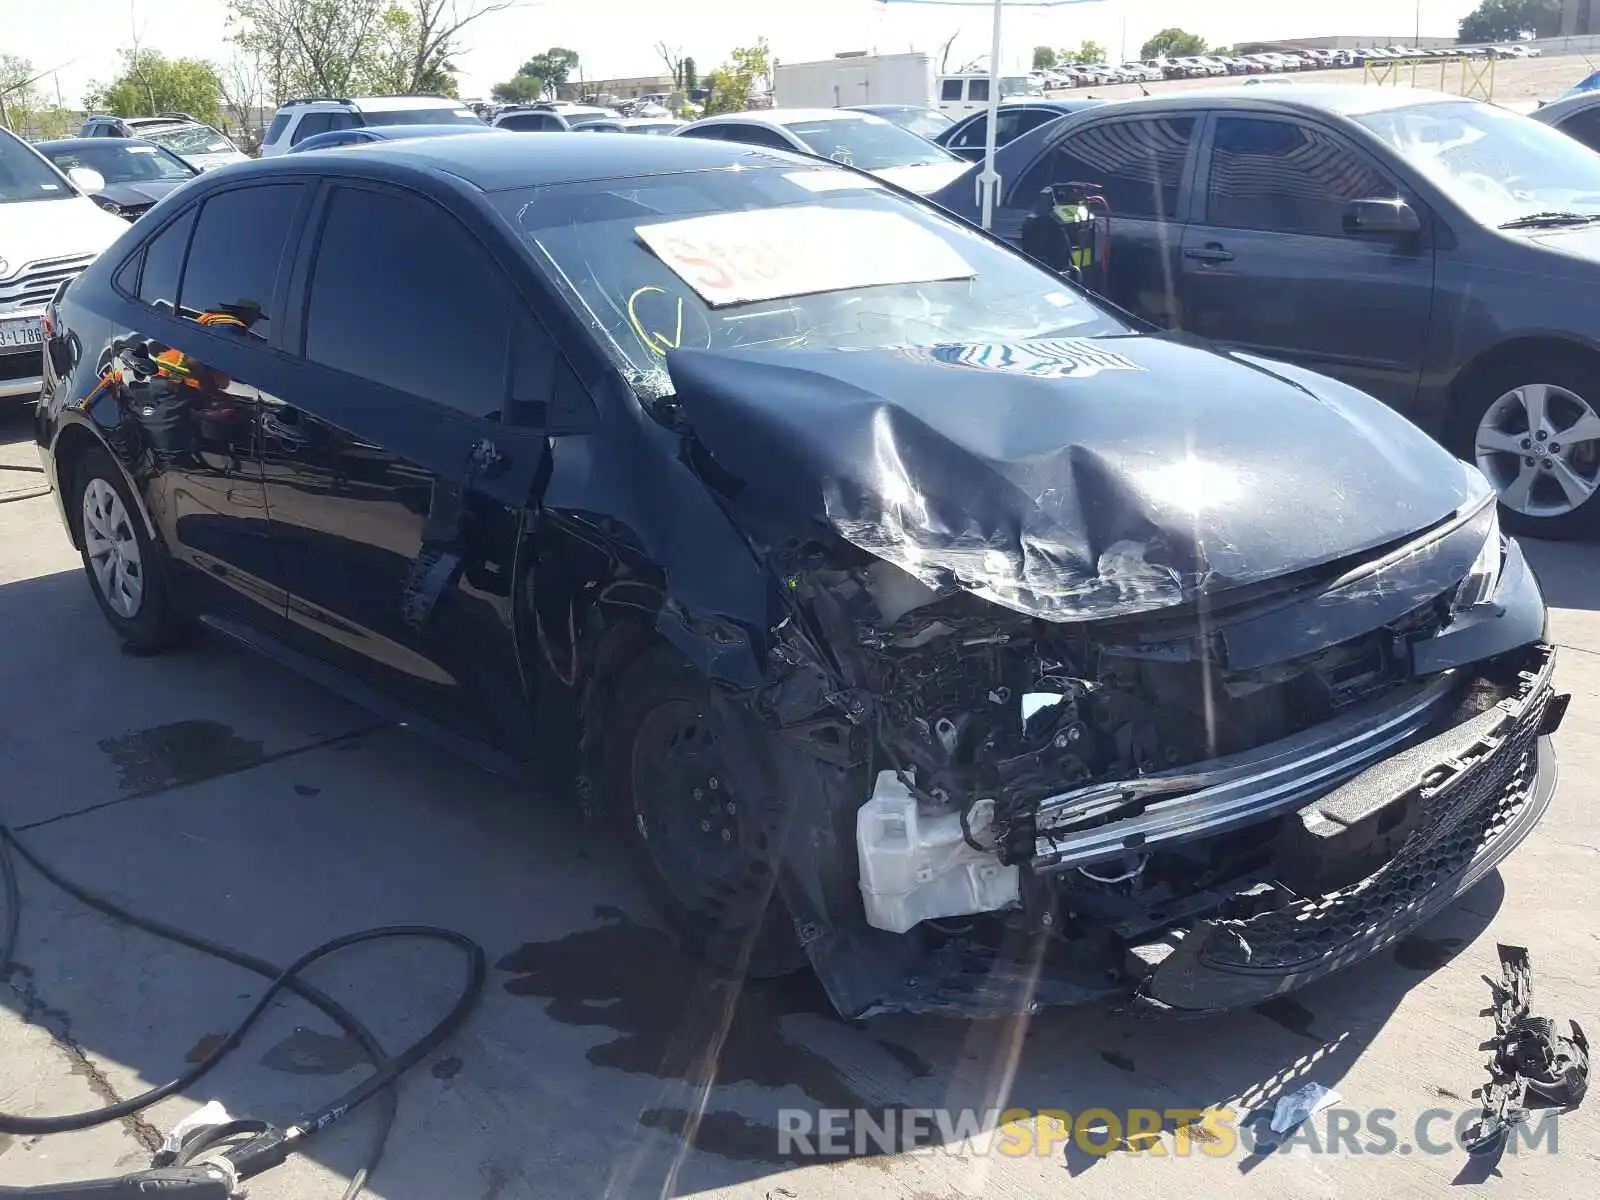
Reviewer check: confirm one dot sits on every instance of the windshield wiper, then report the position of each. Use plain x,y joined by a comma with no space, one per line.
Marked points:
1544,220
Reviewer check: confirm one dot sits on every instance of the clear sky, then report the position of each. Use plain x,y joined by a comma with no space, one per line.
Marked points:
617,37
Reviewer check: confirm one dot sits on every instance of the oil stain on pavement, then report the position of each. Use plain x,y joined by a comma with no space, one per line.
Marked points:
307,1052
678,1021
182,752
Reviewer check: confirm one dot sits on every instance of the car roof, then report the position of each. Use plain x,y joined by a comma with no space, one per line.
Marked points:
85,143
793,116
402,103
1347,100
1565,106
494,160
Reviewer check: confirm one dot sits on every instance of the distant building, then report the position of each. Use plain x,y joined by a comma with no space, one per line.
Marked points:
1580,17
618,89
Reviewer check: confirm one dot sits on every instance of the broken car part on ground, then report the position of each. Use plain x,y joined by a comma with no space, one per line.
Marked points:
907,614
1533,1066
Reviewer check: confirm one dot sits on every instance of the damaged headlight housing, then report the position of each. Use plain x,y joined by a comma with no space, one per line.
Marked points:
1482,580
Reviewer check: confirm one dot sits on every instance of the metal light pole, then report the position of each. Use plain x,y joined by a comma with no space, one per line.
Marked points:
988,178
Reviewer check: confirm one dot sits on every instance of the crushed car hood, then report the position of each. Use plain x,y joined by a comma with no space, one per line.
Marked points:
1071,478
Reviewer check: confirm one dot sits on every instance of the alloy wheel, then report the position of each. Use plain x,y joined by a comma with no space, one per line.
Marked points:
113,549
1539,445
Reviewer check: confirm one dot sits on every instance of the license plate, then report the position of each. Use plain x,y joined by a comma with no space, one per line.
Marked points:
20,331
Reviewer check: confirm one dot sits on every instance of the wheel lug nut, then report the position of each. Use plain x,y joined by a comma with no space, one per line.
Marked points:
1555,447
727,835
712,783
1527,443
730,808
1529,461
698,794
1541,435
1547,464
705,826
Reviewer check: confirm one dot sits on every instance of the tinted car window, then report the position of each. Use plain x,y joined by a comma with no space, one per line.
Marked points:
1013,123
1285,178
950,90
749,135
978,89
1584,126
275,131
432,321
321,122
422,116
233,260
529,122
163,263
1139,164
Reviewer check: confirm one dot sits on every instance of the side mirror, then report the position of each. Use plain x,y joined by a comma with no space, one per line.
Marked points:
1381,216
87,180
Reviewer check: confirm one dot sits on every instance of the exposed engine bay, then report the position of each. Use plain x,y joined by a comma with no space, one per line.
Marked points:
1100,782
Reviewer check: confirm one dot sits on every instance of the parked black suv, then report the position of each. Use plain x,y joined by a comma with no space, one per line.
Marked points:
903,611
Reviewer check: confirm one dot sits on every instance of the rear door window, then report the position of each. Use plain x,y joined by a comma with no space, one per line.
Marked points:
978,89
1138,164
321,122
950,91
163,263
231,275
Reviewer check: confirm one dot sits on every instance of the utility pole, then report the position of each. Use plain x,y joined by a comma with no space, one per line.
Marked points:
1417,43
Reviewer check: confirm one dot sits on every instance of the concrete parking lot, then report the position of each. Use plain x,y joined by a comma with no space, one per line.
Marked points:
214,791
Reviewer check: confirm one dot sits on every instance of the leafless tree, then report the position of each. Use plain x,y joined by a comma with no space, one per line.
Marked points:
244,93
944,52
136,63
437,28
672,59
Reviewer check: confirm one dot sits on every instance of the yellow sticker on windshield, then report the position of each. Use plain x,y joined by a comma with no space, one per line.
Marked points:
774,253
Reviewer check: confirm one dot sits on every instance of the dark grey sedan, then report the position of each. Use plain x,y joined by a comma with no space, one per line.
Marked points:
137,173
1441,254
1577,115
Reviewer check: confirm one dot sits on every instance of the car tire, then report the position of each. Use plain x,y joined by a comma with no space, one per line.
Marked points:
121,560
1511,420
696,846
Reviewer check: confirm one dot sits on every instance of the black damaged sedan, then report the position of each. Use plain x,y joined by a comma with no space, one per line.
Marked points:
904,613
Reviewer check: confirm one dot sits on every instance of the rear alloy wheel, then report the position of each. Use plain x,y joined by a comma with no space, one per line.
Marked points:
120,559
1538,444
700,847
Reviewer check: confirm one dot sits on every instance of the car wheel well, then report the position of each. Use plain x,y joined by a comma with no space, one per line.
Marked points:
71,446
1505,355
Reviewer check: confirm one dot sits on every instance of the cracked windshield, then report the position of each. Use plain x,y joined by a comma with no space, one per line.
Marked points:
981,599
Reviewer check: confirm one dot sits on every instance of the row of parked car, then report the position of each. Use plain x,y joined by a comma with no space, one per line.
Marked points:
1200,66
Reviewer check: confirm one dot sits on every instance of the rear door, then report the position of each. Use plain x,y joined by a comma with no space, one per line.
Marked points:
1143,166
192,376
1268,267
399,472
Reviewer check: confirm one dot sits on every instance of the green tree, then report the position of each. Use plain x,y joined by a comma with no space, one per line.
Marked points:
25,108
1086,52
1043,58
1173,43
340,47
519,89
1508,20
732,83
691,78
152,83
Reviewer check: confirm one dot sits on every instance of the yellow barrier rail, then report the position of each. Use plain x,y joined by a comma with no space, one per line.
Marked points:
1472,77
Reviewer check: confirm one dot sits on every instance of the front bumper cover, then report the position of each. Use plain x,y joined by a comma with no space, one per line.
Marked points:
1453,808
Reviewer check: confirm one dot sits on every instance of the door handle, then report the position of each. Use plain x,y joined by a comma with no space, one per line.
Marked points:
1211,252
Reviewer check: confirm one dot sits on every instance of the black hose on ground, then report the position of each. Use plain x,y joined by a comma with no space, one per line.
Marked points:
267,1146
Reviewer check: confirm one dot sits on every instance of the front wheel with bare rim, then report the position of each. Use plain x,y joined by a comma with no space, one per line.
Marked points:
122,562
1533,429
